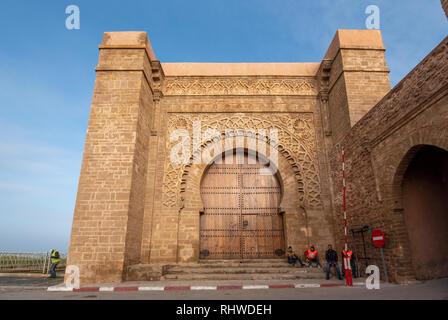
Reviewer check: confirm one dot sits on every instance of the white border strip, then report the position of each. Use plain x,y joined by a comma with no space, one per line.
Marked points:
106,289
65,289
306,285
256,287
203,288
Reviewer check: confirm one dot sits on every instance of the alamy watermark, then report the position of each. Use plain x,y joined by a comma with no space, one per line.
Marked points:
373,279
373,20
73,21
72,279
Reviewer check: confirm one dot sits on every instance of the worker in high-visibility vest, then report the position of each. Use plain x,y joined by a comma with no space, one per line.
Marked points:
313,257
55,258
349,255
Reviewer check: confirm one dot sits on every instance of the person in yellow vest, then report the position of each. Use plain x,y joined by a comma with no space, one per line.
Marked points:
55,259
313,257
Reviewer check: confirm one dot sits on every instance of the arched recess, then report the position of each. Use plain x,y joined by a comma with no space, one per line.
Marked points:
424,191
241,196
399,160
395,165
291,205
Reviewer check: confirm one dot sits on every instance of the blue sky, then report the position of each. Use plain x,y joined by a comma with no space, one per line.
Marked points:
47,78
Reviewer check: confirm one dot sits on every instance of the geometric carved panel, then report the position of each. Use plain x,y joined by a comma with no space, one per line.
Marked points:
296,142
239,86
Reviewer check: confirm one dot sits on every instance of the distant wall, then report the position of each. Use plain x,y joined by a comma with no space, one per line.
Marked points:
445,6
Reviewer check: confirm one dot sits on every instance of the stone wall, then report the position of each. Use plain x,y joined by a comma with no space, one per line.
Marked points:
247,96
380,146
358,79
106,231
175,217
134,206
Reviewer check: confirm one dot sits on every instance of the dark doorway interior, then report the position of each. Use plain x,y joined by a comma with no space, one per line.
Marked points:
425,201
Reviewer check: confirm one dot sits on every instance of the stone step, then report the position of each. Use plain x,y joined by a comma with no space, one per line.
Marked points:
266,269
224,270
246,276
231,265
240,270
242,261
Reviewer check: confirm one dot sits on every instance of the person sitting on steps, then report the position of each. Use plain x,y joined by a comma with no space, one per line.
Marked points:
292,257
313,257
305,254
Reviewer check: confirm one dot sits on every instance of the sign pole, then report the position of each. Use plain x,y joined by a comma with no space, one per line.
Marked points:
384,264
379,240
347,266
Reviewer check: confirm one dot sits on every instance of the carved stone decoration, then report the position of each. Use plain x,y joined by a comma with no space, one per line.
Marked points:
296,143
239,86
324,83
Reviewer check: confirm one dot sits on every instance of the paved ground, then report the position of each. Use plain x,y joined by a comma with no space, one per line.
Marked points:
209,282
29,281
434,289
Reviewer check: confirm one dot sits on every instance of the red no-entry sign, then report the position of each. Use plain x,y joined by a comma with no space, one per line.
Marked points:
378,238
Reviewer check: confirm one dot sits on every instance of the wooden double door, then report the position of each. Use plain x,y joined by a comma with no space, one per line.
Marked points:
241,218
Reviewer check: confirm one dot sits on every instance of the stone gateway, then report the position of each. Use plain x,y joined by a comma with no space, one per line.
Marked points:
136,209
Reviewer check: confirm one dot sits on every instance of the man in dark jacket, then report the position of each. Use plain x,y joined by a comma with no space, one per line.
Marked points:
332,259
